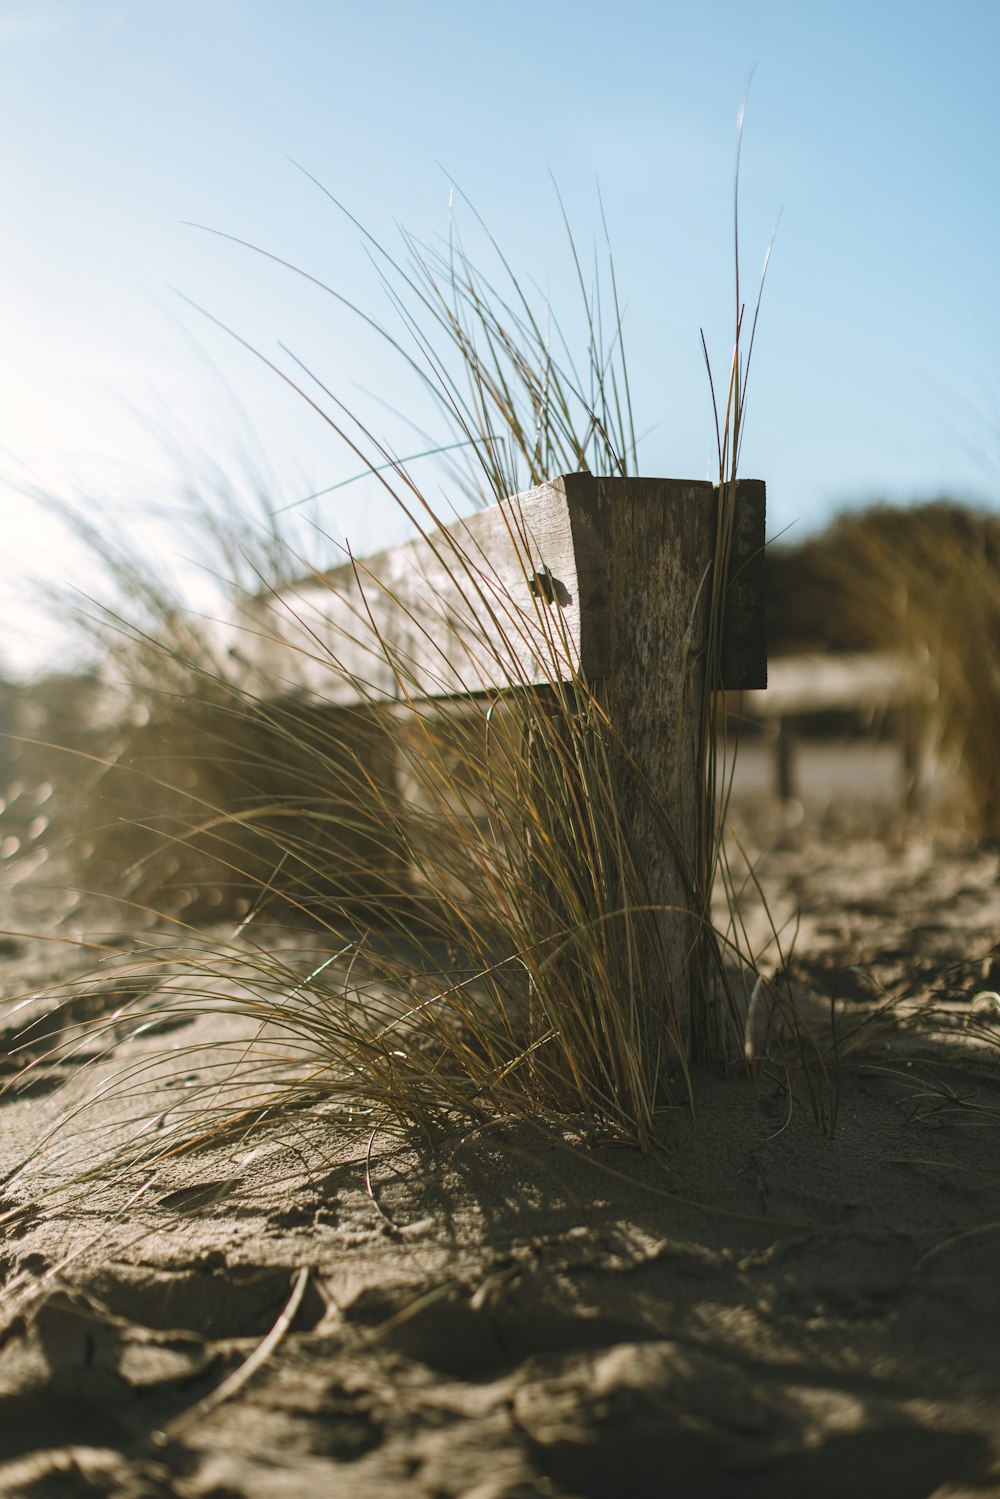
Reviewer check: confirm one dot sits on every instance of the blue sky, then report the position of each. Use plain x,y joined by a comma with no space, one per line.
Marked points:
872,130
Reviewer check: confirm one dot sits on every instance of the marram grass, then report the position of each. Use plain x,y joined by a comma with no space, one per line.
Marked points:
482,942
488,943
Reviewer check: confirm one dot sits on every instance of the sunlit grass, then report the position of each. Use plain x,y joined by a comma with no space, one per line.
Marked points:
483,939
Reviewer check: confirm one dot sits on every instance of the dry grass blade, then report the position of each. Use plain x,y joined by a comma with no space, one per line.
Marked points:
240,1377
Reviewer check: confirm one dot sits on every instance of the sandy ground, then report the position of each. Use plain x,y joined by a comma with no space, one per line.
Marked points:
766,1308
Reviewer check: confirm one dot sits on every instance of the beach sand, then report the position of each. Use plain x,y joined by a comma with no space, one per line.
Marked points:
763,1307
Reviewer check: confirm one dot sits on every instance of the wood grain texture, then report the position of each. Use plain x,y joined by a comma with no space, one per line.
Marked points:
659,538
511,597
517,595
744,638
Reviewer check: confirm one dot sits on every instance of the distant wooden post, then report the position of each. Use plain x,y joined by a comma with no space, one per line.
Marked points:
786,781
604,580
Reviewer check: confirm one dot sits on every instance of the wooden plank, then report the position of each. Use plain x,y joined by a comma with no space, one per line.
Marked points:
508,597
516,595
798,685
744,641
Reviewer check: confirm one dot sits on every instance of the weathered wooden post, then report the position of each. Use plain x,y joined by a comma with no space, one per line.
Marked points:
604,582
658,538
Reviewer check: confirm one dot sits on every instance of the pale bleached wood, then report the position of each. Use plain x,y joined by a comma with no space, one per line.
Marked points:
513,596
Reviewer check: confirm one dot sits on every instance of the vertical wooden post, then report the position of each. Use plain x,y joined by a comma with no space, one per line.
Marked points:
547,740
785,776
657,538
913,752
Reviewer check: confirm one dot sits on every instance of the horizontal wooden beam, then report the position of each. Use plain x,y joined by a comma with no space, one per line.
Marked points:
521,594
799,685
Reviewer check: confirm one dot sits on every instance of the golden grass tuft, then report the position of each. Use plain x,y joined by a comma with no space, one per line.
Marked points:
483,942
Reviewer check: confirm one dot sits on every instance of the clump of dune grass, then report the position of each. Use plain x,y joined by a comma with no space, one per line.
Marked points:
170,782
483,943
921,582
